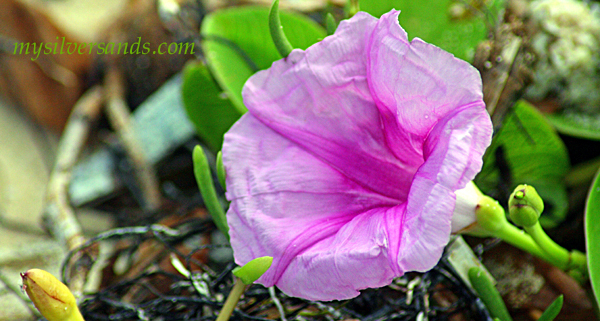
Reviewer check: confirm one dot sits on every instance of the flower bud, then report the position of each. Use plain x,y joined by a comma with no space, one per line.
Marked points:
463,217
525,206
476,214
50,296
490,215
253,270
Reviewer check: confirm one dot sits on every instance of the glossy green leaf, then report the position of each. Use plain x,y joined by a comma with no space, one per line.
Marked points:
528,150
576,124
552,310
207,190
592,235
210,112
441,22
237,43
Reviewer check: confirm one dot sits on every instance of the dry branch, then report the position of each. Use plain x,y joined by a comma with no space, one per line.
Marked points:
120,119
59,217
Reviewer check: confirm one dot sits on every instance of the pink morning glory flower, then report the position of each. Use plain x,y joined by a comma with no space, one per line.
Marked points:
346,166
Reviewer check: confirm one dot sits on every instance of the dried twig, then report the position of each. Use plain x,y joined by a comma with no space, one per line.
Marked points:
505,62
119,117
277,303
59,217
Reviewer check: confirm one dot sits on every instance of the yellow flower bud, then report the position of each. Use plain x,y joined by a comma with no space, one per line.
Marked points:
50,296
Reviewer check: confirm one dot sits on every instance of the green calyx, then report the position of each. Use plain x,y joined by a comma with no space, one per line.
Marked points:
525,206
490,215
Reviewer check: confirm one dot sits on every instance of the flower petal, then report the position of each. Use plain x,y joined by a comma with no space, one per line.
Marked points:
357,257
467,200
285,202
349,159
432,106
425,85
320,99
453,154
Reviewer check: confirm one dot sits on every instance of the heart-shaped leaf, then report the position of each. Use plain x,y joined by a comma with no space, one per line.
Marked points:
210,112
455,26
237,43
578,124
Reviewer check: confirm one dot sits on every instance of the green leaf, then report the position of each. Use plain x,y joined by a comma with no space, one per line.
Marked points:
210,112
207,190
592,235
553,310
576,124
253,270
533,154
433,22
237,43
489,294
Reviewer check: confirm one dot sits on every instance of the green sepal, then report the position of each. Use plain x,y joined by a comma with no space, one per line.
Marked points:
207,190
253,270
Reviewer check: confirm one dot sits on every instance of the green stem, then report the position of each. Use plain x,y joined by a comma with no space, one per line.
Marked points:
518,238
283,45
234,296
561,258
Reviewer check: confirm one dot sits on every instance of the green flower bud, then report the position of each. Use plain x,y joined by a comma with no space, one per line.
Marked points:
525,206
253,270
490,215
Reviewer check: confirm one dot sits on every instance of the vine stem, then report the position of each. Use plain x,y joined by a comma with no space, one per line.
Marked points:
234,296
